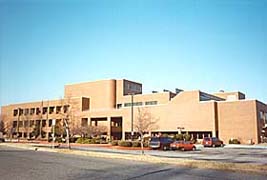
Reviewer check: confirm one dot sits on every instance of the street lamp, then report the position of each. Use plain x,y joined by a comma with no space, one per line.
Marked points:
132,111
19,109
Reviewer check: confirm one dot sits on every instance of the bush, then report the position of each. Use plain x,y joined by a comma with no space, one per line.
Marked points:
234,141
82,140
187,137
146,143
125,143
136,144
73,139
114,143
179,137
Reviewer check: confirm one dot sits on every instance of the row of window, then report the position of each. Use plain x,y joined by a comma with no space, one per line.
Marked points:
147,103
31,123
37,111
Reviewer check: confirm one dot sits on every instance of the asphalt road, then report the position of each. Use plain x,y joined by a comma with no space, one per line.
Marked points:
18,164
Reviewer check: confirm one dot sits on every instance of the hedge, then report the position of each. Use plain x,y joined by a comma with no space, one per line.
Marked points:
234,141
125,143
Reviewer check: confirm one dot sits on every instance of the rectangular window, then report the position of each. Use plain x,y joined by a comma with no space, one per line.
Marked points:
32,111
66,108
51,110
50,122
38,111
134,104
84,122
261,115
45,110
31,123
20,123
43,123
26,123
15,112
26,112
85,104
119,106
15,124
58,109
151,103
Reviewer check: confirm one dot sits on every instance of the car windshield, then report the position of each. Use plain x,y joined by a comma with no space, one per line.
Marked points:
207,139
154,139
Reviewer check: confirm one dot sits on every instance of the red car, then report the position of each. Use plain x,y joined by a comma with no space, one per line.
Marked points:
212,142
183,145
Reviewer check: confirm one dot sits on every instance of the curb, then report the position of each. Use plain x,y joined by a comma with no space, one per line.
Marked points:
235,167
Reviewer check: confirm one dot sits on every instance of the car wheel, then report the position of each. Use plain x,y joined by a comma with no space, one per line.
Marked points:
182,149
222,145
214,145
194,148
164,148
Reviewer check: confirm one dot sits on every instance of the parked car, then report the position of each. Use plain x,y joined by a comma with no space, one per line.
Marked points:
212,142
183,145
162,143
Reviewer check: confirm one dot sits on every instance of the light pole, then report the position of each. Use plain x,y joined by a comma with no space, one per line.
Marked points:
132,111
19,109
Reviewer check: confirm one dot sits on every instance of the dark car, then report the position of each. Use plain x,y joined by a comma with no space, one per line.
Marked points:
212,142
160,143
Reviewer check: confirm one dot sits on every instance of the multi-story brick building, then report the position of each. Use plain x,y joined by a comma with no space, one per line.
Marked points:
109,102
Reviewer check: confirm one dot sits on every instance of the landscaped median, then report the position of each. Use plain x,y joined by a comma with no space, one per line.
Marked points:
239,167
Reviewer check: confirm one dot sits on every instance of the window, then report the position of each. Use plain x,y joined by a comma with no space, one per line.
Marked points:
66,108
15,124
50,122
85,104
26,123
134,104
45,110
51,110
15,112
84,122
119,106
31,123
26,112
151,103
43,123
58,109
261,115
32,111
38,111
20,123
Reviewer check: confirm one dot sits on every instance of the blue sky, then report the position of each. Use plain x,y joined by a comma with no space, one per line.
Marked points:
167,44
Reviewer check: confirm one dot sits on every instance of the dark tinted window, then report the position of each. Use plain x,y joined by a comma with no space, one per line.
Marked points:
155,139
207,139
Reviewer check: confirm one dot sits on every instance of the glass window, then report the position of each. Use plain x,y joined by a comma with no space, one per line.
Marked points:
151,102
15,112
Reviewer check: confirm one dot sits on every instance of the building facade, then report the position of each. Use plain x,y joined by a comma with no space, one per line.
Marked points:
114,103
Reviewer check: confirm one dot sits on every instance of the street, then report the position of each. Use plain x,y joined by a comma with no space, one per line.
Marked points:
26,165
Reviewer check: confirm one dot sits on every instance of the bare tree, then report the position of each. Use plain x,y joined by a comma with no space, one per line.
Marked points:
6,126
144,123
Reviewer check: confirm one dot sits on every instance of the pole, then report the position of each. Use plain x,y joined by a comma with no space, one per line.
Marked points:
18,124
132,133
53,124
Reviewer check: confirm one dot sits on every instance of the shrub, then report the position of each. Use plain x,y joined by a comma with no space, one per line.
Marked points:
114,143
125,143
136,144
187,137
73,139
95,141
146,143
234,141
83,140
178,137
